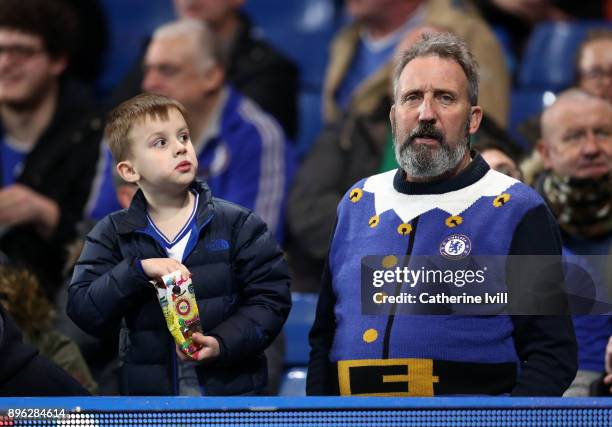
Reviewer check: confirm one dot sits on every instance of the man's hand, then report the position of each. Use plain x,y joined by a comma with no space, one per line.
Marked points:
155,268
608,378
21,205
210,349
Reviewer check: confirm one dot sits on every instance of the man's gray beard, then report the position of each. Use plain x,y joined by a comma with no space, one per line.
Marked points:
422,161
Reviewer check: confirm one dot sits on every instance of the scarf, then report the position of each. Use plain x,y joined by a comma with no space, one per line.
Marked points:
583,207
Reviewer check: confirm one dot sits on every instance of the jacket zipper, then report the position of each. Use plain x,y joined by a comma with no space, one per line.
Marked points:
173,360
174,357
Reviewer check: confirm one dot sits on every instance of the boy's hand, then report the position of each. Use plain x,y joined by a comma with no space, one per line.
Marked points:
210,349
155,268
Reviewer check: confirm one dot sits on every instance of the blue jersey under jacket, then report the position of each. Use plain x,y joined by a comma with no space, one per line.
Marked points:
241,285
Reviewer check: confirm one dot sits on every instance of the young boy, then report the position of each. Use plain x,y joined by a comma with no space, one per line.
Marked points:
238,272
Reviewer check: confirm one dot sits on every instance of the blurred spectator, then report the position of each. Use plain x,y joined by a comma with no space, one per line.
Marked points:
100,352
91,40
24,372
498,149
593,75
21,296
499,160
594,64
49,137
359,66
576,148
243,153
518,17
253,67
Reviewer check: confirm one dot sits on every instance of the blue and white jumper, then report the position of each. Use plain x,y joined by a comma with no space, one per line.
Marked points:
421,355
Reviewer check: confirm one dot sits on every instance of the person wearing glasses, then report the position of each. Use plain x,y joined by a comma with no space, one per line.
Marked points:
49,137
594,64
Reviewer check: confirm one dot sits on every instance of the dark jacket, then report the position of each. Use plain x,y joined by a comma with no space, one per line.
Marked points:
346,151
263,74
241,284
253,67
61,167
23,372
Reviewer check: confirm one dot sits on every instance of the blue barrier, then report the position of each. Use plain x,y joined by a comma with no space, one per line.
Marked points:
311,411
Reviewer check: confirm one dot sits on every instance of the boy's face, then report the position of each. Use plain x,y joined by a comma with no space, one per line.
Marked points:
162,156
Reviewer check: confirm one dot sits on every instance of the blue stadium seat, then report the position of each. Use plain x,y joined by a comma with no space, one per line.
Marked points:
130,23
310,121
503,37
301,29
525,104
293,382
297,328
548,61
297,349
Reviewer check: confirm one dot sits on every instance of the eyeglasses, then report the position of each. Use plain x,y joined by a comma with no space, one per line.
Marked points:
596,73
20,52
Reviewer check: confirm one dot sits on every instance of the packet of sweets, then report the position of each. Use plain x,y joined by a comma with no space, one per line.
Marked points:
178,303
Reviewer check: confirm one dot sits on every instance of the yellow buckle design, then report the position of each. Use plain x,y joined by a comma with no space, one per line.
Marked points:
417,376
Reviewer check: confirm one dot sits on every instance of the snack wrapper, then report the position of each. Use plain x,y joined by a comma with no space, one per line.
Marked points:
178,303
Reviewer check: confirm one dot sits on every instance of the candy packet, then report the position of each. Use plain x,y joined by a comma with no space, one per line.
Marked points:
178,303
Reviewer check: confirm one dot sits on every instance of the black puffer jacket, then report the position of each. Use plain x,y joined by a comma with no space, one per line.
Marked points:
24,372
241,284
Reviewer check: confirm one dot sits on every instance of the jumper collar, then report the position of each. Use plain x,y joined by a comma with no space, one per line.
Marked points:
474,171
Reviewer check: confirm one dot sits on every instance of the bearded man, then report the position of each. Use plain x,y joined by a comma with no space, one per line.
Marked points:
445,200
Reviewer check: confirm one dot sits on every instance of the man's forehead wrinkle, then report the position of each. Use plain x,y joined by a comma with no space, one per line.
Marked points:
412,82
574,111
427,87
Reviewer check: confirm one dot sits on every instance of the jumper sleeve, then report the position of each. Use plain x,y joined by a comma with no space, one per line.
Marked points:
321,337
545,344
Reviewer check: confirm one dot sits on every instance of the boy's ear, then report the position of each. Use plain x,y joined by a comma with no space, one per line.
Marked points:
126,171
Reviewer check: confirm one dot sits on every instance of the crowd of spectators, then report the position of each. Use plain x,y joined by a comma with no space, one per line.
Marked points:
241,95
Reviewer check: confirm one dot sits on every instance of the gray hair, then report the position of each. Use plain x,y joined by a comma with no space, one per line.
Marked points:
447,46
208,45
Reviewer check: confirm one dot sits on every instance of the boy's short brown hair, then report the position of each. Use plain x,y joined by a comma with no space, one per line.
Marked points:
121,119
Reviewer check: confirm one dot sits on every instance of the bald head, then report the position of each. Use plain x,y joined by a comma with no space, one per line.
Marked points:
573,100
577,135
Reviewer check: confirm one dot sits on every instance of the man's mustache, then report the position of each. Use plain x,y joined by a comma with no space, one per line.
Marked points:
426,130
